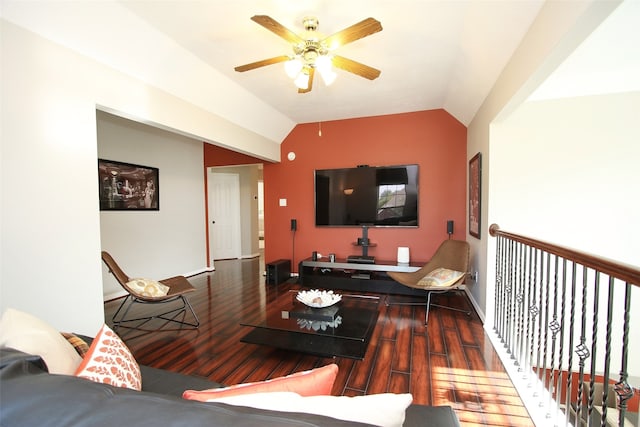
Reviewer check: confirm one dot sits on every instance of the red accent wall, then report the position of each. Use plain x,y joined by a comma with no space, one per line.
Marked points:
433,139
218,156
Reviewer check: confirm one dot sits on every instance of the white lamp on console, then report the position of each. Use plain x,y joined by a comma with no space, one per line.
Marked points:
403,255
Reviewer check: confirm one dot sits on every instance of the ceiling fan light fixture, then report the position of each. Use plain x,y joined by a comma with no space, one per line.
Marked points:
323,65
302,81
310,23
311,51
293,67
310,56
328,76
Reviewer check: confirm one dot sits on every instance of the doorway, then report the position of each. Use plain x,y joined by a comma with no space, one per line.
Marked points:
224,215
261,215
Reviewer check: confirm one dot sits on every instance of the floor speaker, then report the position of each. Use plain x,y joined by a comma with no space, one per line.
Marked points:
278,271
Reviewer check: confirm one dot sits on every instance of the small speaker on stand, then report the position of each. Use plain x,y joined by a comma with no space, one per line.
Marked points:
294,228
450,227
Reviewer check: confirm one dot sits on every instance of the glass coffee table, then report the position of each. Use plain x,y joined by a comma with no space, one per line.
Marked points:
341,330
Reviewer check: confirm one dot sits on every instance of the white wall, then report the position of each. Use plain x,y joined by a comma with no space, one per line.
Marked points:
566,171
50,224
111,32
163,243
558,29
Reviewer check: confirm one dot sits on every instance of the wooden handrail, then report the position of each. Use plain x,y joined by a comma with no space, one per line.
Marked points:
625,272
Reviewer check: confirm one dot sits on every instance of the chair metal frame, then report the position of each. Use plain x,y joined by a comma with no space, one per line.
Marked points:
451,254
178,287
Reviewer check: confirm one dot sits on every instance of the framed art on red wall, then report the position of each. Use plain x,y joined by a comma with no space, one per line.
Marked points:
475,191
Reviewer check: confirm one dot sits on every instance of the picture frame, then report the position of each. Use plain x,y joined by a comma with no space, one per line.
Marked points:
475,194
128,187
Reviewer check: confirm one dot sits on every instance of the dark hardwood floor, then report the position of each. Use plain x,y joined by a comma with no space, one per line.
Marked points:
450,362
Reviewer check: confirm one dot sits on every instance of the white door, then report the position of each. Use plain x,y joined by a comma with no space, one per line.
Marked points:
224,215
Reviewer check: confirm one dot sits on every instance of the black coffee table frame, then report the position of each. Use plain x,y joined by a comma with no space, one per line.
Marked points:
342,330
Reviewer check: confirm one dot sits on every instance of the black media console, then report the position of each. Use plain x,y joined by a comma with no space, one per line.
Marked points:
355,276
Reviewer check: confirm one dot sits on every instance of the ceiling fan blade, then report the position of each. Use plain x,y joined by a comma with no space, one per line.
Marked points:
312,72
264,62
355,32
355,67
277,28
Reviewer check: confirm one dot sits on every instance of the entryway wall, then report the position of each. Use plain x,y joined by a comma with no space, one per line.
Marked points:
154,244
261,212
225,159
172,240
249,224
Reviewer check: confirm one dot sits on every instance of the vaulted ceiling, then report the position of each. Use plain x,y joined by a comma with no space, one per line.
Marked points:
432,54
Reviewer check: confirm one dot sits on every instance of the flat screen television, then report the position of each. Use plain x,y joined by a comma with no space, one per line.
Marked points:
377,196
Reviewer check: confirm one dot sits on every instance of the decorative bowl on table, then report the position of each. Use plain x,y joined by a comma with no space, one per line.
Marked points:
318,299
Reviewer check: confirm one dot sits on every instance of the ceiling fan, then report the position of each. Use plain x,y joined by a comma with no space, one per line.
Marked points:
312,51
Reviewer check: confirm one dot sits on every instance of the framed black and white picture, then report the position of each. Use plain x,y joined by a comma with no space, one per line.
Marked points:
128,187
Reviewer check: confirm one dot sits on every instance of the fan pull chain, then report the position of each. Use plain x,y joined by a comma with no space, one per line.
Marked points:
319,128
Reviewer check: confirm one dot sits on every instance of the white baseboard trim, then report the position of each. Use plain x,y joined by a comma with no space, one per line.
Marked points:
200,271
475,304
114,295
255,255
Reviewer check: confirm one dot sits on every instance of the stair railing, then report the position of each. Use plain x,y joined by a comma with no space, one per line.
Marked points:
564,318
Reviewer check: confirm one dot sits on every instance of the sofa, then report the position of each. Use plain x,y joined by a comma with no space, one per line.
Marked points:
59,379
31,396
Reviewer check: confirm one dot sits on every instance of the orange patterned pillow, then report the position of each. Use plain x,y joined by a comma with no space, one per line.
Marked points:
109,361
315,382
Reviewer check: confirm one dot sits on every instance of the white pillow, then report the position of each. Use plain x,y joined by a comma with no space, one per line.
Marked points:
385,409
24,332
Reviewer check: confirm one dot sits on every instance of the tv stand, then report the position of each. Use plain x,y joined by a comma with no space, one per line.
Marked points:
356,277
361,259
365,243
